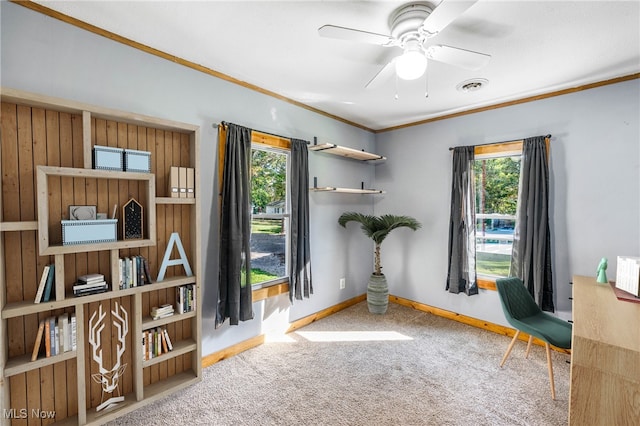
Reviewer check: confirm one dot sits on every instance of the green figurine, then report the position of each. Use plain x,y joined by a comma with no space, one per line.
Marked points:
602,271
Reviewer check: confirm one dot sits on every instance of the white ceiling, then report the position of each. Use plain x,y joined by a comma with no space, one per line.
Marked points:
536,47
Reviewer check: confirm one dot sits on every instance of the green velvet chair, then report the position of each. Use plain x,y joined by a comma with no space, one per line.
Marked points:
525,316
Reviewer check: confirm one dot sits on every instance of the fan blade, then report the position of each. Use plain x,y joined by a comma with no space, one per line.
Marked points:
444,14
342,33
460,57
382,75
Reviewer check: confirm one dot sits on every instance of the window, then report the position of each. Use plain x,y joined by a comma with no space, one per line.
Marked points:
270,214
497,175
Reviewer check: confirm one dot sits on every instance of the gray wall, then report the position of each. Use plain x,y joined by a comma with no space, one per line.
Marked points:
594,178
45,56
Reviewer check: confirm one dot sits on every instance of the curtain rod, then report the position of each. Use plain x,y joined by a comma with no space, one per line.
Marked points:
498,143
224,123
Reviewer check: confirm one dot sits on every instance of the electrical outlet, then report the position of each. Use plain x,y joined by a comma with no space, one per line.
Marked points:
343,283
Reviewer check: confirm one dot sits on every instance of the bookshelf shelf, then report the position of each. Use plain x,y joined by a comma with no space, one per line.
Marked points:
148,322
85,248
31,238
161,389
179,348
169,200
18,226
26,307
23,363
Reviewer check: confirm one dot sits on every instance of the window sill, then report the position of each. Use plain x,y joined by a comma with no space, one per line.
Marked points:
271,291
486,283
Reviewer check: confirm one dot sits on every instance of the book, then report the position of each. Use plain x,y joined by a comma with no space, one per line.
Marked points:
89,286
63,324
120,282
166,335
174,185
50,279
147,273
180,299
141,276
156,317
190,182
73,328
134,272
47,337
52,337
164,341
149,338
194,290
56,342
90,278
90,291
144,345
182,182
41,286
37,344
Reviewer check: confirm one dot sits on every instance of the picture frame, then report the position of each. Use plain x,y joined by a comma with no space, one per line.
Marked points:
82,213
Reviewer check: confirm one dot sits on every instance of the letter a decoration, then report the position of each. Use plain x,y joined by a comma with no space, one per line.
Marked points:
182,260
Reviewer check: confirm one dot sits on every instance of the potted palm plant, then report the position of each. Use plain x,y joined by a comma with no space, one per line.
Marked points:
377,228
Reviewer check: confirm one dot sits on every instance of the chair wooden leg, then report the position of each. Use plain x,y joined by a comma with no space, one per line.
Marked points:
526,354
553,388
513,342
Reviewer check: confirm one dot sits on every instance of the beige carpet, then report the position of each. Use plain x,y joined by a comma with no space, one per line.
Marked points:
353,368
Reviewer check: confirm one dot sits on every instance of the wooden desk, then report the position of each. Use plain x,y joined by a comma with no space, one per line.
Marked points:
605,359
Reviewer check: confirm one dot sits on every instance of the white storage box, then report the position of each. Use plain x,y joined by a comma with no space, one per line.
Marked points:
628,274
137,161
89,231
107,158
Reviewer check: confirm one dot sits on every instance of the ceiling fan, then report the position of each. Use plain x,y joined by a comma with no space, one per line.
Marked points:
412,25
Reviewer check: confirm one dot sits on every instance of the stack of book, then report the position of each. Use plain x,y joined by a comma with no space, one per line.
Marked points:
185,298
46,288
155,342
161,312
133,272
90,284
58,335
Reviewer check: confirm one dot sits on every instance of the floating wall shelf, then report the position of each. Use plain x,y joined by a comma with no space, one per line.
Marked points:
347,190
343,151
360,190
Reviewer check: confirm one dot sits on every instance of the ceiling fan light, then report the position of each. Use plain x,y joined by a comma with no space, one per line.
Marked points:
411,65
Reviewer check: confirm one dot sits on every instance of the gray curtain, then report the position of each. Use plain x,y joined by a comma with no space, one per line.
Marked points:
531,257
300,263
461,273
234,283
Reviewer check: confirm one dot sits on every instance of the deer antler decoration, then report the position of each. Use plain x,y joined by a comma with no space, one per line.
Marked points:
109,379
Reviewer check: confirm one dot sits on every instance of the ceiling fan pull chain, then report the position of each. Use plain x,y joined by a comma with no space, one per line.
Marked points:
426,84
396,79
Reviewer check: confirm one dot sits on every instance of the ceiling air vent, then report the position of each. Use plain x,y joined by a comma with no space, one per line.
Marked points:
472,85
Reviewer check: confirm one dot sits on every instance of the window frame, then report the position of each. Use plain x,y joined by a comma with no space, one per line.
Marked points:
285,216
502,149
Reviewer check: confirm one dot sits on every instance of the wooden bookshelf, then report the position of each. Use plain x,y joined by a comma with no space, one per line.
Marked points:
45,163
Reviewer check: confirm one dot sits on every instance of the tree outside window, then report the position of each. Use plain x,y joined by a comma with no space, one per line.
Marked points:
270,215
496,191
